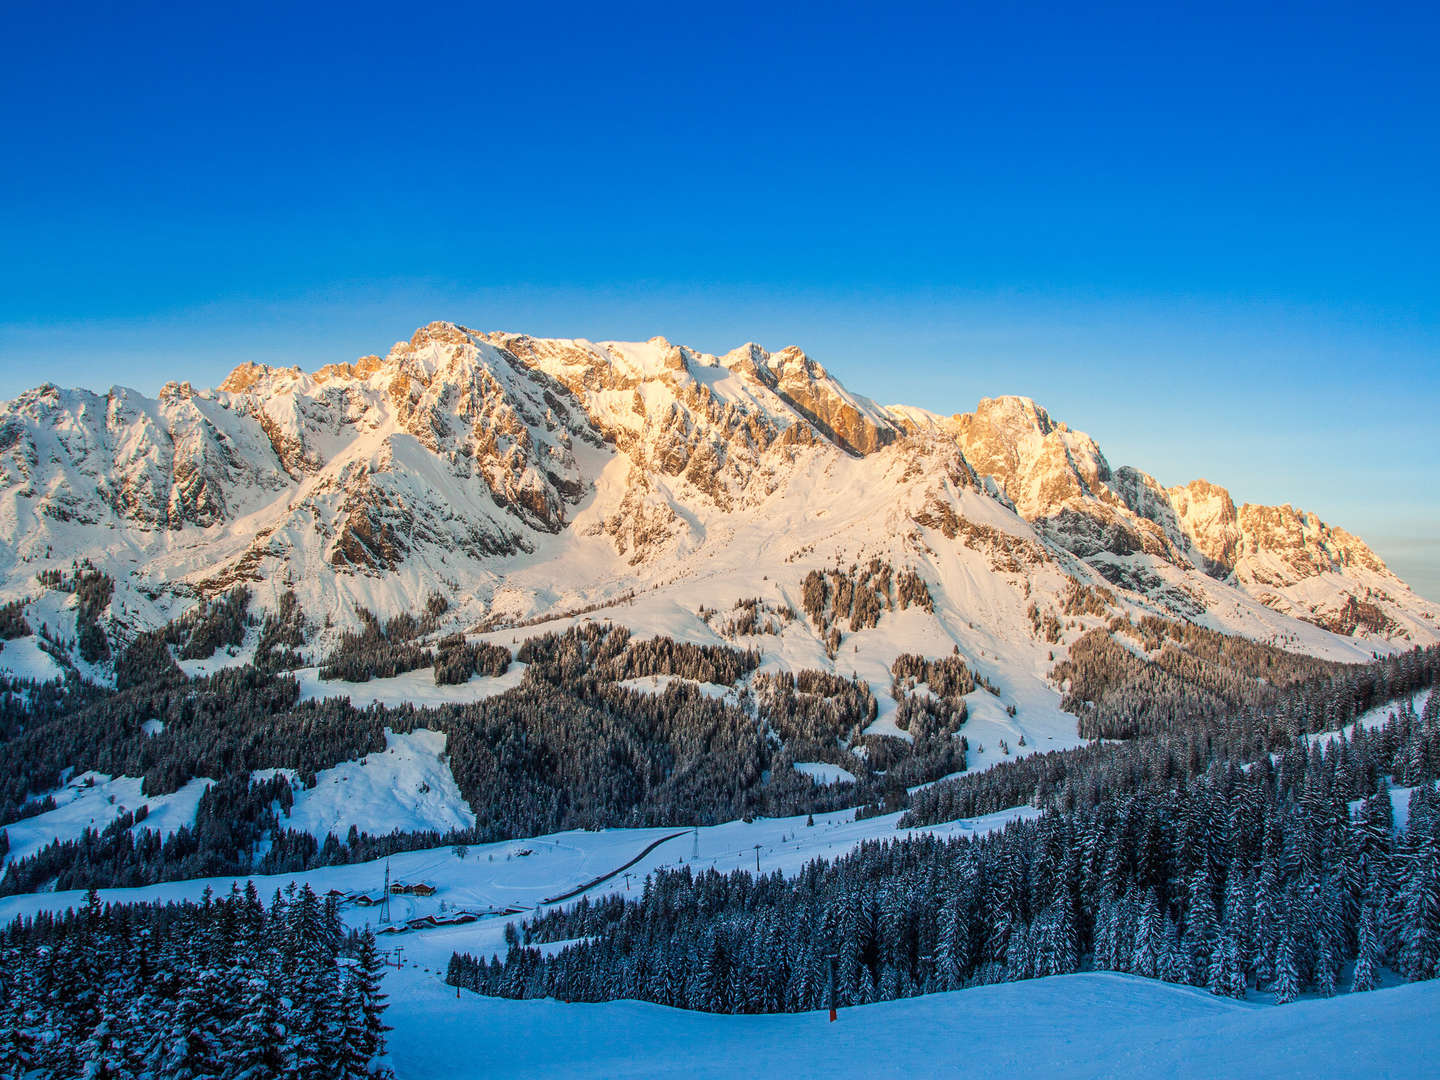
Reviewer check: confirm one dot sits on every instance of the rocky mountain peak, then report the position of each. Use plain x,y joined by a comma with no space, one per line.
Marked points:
458,455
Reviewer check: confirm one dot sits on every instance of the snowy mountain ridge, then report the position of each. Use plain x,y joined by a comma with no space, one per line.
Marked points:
522,476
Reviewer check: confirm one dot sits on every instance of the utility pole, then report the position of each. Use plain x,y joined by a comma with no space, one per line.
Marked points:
695,849
626,876
385,902
757,859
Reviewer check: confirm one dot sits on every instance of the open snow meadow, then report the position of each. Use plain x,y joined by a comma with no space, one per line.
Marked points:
1096,1025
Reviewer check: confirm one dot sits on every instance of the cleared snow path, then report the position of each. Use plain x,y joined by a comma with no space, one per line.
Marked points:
613,873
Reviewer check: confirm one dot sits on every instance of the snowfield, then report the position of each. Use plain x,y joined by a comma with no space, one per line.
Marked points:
407,786
416,688
23,658
93,801
823,773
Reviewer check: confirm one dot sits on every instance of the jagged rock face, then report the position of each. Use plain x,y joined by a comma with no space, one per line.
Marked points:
458,455
384,439
647,401
807,388
663,404
1042,466
1059,480
1206,514
700,429
164,463
1301,542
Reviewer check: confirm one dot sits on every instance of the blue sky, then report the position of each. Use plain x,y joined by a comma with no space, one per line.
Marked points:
1208,236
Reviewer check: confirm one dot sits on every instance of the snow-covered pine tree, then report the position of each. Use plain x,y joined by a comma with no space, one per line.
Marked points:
1420,913
1227,969
1148,938
1200,928
365,1028
1287,972
1368,957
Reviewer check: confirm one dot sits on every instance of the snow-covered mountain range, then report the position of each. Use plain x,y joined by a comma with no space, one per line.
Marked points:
523,477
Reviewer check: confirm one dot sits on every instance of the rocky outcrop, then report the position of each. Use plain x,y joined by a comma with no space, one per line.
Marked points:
1129,527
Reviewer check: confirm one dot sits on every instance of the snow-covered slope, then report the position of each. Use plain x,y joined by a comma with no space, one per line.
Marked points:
520,478
1087,1025
92,801
1072,1026
408,786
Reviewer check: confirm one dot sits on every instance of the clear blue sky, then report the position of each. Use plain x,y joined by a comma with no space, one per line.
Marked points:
1208,237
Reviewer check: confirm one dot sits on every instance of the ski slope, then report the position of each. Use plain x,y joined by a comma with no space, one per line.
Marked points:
1077,1027
525,874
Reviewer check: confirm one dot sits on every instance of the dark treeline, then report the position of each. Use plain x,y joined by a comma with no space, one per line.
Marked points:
456,660
1231,879
1066,779
1188,673
92,589
12,620
605,653
215,624
218,623
568,748
815,711
380,652
859,596
228,988
940,713
820,716
282,636
218,726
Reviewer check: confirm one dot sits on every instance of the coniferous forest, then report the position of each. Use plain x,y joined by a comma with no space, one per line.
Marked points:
1283,874
233,988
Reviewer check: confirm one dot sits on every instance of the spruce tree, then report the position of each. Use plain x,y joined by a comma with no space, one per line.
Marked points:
1420,915
1367,959
1287,973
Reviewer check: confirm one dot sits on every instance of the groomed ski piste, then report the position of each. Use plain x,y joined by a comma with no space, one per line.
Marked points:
1085,1025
